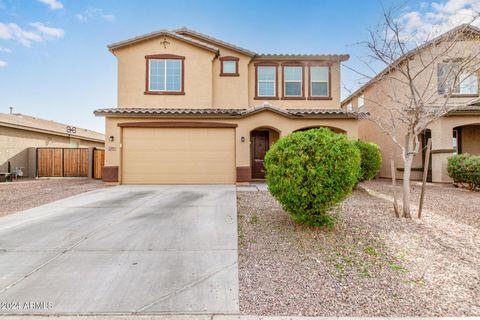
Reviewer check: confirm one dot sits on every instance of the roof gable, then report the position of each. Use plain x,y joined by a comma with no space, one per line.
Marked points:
188,32
463,28
157,34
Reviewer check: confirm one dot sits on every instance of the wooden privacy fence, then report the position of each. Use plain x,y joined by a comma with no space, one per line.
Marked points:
69,162
98,163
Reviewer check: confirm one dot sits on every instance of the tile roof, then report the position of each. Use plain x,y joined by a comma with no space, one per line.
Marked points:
183,34
185,30
304,56
30,123
159,33
235,113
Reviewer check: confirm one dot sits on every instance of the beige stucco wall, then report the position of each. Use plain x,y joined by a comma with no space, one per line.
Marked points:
132,75
203,85
264,119
14,144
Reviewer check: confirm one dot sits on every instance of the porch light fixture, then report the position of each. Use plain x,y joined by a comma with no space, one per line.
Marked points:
242,139
111,139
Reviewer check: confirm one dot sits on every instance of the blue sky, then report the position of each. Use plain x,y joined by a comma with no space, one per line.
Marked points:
54,63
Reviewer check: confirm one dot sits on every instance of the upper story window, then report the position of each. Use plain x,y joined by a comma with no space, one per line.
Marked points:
320,82
361,101
452,81
266,81
292,81
165,74
229,66
468,84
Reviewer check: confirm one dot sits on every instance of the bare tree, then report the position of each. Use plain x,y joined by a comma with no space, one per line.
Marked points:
417,83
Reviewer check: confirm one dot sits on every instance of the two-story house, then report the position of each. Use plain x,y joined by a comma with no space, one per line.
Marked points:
195,109
456,132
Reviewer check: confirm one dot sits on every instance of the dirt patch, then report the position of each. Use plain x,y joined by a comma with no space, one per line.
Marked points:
369,264
26,194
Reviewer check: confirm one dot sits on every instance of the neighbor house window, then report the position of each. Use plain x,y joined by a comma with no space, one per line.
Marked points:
361,101
266,81
292,81
450,80
229,66
349,107
165,74
320,82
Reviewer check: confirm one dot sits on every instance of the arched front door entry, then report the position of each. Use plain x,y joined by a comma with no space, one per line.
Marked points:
260,147
261,139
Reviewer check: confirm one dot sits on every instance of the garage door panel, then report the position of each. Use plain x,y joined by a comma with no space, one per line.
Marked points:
178,155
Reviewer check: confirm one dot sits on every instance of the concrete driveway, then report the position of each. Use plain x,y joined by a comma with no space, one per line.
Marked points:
125,249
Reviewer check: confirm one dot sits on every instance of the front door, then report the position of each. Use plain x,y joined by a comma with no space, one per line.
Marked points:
259,149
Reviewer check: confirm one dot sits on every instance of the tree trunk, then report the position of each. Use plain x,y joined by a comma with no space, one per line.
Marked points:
406,185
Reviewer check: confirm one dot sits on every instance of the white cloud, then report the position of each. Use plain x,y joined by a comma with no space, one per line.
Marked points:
436,18
81,17
3,63
48,31
94,13
52,4
3,49
13,32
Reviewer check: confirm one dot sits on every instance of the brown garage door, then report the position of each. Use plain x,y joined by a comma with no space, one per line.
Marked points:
178,156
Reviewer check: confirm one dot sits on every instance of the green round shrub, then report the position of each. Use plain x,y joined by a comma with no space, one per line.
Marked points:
310,171
465,169
371,160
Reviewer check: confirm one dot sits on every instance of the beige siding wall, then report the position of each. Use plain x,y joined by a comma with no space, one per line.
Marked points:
231,92
132,75
204,87
264,119
14,144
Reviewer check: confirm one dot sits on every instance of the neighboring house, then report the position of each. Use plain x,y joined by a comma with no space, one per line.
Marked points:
195,109
20,133
457,132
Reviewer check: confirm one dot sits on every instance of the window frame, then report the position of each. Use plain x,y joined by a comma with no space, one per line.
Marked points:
148,58
362,96
302,95
441,82
228,74
469,94
329,84
266,64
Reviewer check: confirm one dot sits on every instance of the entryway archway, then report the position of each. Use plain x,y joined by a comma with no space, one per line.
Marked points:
261,139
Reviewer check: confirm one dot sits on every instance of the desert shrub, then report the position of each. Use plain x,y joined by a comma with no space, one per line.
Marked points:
465,169
308,172
371,160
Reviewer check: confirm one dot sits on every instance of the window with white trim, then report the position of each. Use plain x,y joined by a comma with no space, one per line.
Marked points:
165,75
361,101
452,80
319,81
292,81
468,84
266,81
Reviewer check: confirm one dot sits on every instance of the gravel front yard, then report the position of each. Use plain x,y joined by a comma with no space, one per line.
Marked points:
370,264
26,194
